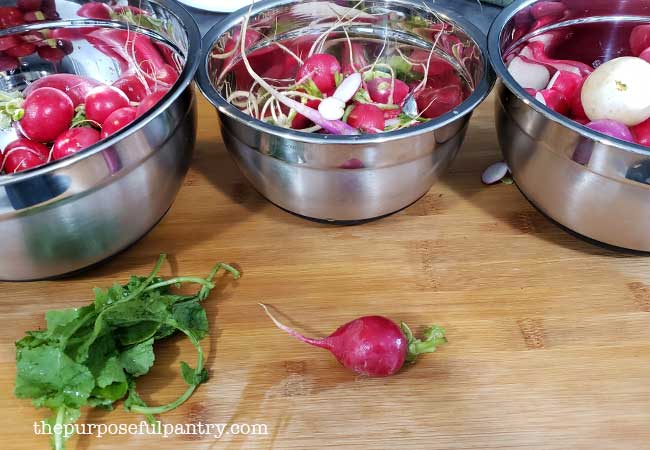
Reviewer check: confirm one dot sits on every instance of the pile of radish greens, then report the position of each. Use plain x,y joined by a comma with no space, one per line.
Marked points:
332,77
61,114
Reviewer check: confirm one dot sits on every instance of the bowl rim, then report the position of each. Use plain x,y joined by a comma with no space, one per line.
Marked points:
480,93
184,80
496,59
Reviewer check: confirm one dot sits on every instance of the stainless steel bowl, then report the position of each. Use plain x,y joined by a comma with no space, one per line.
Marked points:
80,210
594,185
305,173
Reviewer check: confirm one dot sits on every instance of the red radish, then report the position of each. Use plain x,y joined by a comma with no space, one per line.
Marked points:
165,74
10,17
95,10
75,86
320,68
554,100
433,103
51,54
534,52
133,87
24,49
49,9
641,133
380,90
29,5
577,110
101,101
640,39
437,65
567,83
8,42
73,141
645,55
541,10
118,120
373,346
299,122
150,101
367,118
8,63
23,154
443,80
48,113
392,113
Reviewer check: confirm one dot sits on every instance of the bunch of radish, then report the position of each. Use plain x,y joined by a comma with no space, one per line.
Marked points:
61,114
613,98
343,88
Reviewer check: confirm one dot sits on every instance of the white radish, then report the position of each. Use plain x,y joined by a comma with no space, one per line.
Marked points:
496,172
529,75
333,108
618,90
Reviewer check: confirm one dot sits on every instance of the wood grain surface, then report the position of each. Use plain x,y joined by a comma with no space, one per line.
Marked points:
549,336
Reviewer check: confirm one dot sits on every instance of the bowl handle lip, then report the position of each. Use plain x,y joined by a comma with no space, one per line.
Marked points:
184,82
481,92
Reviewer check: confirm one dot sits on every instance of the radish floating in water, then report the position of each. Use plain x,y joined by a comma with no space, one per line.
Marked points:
618,90
640,39
23,154
101,101
529,75
554,100
48,112
73,141
612,128
568,83
373,346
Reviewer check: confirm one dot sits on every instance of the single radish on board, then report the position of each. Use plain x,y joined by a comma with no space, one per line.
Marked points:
618,90
118,120
373,346
48,112
367,117
23,154
73,141
101,101
321,69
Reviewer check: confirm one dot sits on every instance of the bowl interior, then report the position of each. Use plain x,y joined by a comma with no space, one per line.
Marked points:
280,34
148,47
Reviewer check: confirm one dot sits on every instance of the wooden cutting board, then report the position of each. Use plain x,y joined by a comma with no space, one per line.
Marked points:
549,336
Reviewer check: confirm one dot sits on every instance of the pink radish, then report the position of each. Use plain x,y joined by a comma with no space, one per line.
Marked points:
118,120
367,117
380,90
48,113
23,154
133,87
10,17
641,133
612,128
529,75
149,102
101,101
74,86
433,103
73,141
299,122
640,39
554,100
373,346
95,10
320,68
